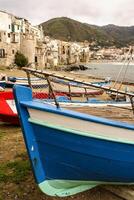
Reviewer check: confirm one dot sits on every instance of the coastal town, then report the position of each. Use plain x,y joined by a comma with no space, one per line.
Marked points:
66,115
42,51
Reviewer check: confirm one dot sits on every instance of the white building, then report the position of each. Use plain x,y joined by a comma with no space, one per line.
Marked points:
14,31
17,34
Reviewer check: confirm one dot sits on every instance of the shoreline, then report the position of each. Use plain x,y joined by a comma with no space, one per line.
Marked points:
79,73
110,61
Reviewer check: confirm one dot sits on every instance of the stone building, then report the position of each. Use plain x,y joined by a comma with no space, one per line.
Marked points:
17,34
73,52
9,38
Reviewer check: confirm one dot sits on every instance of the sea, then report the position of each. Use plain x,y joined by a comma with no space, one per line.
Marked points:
111,70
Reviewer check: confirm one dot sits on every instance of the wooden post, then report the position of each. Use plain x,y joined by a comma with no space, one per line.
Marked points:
29,80
132,103
49,93
69,87
52,91
86,93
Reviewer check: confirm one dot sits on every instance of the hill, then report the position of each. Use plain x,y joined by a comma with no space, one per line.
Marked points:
67,29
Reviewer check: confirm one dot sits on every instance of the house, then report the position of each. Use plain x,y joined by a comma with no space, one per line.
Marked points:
17,34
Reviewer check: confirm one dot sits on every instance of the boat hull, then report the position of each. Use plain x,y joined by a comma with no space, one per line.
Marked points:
88,160
75,90
9,84
71,152
10,119
83,166
8,112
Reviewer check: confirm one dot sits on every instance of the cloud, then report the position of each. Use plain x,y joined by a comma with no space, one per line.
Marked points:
120,12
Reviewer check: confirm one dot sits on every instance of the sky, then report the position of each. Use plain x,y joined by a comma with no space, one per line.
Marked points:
98,12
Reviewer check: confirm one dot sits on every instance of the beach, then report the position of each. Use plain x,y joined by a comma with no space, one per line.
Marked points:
16,178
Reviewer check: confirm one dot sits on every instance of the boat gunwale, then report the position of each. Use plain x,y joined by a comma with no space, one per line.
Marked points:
77,132
52,109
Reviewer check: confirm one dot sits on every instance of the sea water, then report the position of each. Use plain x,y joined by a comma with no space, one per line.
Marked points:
104,70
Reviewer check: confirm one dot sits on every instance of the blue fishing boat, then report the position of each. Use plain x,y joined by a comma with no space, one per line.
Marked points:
35,82
71,152
10,81
14,79
92,102
107,81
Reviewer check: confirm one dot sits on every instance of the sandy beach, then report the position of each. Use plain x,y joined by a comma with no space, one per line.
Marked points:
16,178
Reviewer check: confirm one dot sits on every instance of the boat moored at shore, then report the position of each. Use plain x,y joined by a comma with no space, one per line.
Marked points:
71,152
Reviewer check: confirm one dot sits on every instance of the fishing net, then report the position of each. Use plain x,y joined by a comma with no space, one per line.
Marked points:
43,88
50,78
61,89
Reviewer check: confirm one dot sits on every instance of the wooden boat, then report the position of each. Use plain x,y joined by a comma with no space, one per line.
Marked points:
35,83
14,78
76,90
72,83
71,152
8,112
116,96
65,102
8,82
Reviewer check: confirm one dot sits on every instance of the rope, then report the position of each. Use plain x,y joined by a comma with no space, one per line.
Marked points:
121,82
129,53
126,63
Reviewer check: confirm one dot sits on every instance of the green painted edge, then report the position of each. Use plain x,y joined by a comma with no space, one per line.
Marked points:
46,124
63,188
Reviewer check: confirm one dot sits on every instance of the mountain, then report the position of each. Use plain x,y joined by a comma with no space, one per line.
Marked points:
120,34
67,29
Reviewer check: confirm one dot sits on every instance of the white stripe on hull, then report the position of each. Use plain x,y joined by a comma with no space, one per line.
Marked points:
71,104
105,131
12,105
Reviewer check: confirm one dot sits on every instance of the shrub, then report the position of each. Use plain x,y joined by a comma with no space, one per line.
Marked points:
20,59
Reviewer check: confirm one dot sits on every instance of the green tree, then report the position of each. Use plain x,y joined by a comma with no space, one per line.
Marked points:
20,59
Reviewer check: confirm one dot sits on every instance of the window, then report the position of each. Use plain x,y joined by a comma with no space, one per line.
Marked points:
2,53
13,51
36,60
9,35
63,50
68,52
18,27
13,28
9,26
